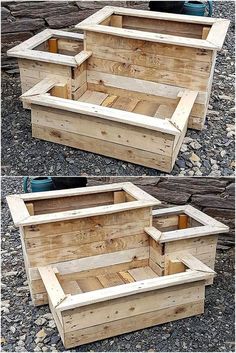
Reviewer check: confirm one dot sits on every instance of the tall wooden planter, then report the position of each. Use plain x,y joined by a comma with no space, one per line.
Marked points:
169,49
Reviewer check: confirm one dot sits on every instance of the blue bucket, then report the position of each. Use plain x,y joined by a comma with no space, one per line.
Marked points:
197,8
38,184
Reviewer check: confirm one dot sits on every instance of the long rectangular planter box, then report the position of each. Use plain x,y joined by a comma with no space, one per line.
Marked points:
91,124
92,254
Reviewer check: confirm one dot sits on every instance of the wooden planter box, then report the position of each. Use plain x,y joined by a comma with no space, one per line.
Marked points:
104,123
95,257
183,229
50,52
59,227
177,51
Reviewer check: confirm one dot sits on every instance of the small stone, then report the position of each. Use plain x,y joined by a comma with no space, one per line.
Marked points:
230,134
194,158
55,339
223,153
215,167
40,321
41,334
10,273
51,324
13,329
184,148
195,145
213,161
48,316
187,140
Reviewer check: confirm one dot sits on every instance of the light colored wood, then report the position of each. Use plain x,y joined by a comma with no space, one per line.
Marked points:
104,113
125,103
126,277
138,85
17,208
205,32
82,56
70,287
194,264
134,323
86,250
93,97
175,267
119,197
129,187
98,261
131,306
42,87
142,273
154,233
52,285
187,80
183,109
110,280
107,131
89,284
218,32
164,112
30,208
60,90
152,37
109,149
116,21
130,289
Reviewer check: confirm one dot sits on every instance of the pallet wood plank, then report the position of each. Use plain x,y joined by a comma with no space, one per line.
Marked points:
52,285
142,273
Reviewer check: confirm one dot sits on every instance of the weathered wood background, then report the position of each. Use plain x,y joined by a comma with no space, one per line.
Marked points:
214,196
21,20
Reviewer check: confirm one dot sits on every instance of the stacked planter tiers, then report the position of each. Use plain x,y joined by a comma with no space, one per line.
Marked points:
140,81
107,264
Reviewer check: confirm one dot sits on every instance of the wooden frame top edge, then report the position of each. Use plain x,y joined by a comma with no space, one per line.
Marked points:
78,300
34,196
102,13
25,50
86,212
93,23
130,118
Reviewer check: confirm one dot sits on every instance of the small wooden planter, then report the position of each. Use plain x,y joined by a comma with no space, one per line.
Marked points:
169,49
50,52
103,123
95,257
183,229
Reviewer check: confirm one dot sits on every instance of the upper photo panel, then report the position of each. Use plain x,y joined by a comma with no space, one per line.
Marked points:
136,88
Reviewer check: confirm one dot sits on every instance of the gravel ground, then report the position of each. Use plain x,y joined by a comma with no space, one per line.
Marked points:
212,331
209,152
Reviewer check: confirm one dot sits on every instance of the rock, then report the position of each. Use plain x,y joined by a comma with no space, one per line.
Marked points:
48,316
194,158
41,334
43,10
51,324
10,273
184,148
5,13
195,145
62,21
40,321
22,25
55,339
13,329
225,97
216,201
15,37
187,140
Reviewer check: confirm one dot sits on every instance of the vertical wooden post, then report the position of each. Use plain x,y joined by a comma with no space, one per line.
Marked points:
183,221
52,45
